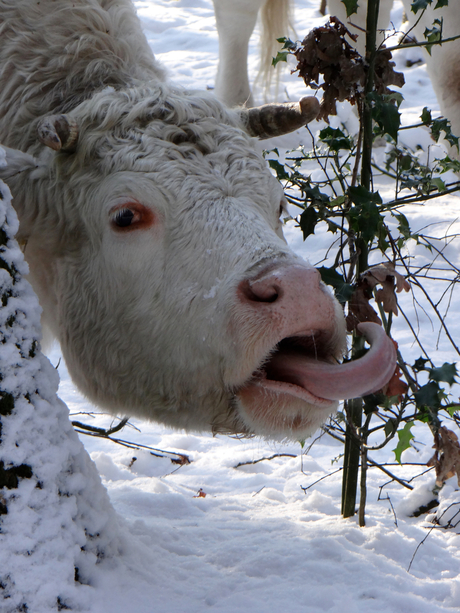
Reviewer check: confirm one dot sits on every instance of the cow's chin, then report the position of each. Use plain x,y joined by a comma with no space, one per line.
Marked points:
281,410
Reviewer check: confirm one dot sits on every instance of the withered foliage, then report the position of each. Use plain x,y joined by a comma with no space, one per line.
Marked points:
391,282
326,53
446,458
396,386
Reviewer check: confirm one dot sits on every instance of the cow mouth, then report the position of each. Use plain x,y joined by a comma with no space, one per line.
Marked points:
302,377
281,371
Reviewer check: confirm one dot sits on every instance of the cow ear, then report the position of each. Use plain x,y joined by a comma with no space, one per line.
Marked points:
276,119
13,162
59,132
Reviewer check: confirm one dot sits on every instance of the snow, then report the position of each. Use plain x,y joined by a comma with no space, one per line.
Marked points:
267,536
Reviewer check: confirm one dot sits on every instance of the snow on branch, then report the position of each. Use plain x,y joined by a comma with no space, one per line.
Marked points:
56,521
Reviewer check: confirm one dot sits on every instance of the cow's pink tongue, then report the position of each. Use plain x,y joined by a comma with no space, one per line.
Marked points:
341,381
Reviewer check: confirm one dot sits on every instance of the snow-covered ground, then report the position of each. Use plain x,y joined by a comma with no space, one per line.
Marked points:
255,539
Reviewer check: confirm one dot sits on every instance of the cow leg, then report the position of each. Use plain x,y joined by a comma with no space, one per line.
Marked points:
235,20
443,64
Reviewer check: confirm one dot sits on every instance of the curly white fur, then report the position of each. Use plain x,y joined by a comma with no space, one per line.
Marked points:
148,319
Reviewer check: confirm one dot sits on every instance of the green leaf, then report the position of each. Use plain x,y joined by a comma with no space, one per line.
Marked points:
383,243
419,5
316,196
444,126
308,221
359,195
453,408
287,43
439,184
405,436
391,426
426,116
343,290
403,225
447,373
434,34
372,402
385,112
420,364
351,6
281,56
448,163
336,139
441,3
405,162
428,396
281,173
365,218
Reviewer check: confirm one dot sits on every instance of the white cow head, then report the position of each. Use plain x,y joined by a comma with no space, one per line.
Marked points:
156,249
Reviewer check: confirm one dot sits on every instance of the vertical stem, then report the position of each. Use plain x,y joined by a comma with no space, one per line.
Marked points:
353,448
371,38
351,458
363,488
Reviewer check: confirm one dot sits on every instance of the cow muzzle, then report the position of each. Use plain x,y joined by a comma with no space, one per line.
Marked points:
298,336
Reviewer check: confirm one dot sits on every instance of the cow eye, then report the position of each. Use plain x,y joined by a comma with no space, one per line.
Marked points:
123,218
131,216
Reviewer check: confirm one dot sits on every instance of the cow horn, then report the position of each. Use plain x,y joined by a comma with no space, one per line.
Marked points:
59,132
276,119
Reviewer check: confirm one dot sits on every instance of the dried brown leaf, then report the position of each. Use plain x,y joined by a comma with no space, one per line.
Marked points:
200,494
395,386
325,51
446,458
391,282
359,308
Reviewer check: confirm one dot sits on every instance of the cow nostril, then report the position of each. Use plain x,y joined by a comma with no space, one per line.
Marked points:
260,291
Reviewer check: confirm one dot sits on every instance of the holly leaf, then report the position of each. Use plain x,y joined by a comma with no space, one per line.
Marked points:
308,221
360,195
351,6
335,139
343,290
426,116
447,373
403,225
316,196
428,396
281,56
287,43
420,364
366,219
385,112
453,408
443,125
419,5
434,34
390,426
405,436
439,183
279,169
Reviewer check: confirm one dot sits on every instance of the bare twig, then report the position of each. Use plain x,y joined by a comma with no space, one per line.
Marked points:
101,431
174,456
275,455
391,504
